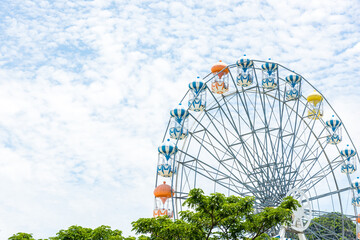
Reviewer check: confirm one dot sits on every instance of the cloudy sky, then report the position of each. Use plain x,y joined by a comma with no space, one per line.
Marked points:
85,89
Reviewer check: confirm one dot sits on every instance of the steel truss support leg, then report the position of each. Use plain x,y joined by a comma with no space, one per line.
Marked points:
283,231
301,236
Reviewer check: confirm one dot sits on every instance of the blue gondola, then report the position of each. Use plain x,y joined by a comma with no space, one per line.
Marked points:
269,80
294,87
356,185
334,126
179,124
167,153
197,95
245,72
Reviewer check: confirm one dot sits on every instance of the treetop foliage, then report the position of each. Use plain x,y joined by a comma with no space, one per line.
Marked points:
208,217
80,233
218,217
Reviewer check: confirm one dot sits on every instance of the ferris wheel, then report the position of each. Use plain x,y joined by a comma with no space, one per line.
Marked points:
246,129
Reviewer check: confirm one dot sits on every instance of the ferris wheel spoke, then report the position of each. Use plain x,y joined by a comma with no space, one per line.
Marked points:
248,153
186,177
197,156
257,170
275,153
307,129
290,160
215,122
289,114
202,166
228,132
212,172
247,148
330,193
221,109
206,143
183,172
320,175
209,177
299,112
308,165
220,161
271,103
317,142
231,118
211,118
285,144
238,154
270,144
287,129
306,149
248,103
218,176
319,213
241,120
185,182
324,171
244,100
227,149
290,111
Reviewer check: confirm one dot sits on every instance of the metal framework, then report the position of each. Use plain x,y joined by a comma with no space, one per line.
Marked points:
254,142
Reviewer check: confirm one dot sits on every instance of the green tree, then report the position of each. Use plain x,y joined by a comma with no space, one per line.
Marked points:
81,233
217,217
100,233
105,233
333,222
210,217
74,233
260,223
164,228
22,236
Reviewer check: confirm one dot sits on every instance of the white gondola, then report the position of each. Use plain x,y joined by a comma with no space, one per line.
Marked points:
356,185
293,87
179,123
167,158
349,166
334,126
197,96
245,72
269,75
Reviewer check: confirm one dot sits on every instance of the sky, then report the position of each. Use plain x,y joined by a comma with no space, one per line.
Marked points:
86,88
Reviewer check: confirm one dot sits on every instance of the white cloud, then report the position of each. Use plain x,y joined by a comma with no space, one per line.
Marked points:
85,89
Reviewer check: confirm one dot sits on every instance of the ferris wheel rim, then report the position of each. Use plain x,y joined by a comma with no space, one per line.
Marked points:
237,91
